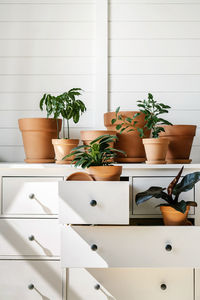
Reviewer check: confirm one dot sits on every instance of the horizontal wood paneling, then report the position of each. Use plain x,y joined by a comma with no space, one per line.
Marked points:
47,66
155,48
155,65
56,12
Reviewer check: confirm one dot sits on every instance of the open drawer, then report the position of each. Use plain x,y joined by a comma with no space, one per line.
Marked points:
94,202
130,246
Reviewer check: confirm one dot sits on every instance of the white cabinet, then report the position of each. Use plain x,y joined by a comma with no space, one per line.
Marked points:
130,246
130,284
90,202
29,237
30,195
17,277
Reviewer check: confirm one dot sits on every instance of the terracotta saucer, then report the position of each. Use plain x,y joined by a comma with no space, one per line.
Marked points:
80,176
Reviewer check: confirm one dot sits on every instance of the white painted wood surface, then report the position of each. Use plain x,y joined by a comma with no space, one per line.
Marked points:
112,202
120,284
130,246
16,276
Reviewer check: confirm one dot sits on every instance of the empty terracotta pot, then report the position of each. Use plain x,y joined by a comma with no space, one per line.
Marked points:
181,139
172,217
156,150
62,148
105,173
129,142
37,134
89,135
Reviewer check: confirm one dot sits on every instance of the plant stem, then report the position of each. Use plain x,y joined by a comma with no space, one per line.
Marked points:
67,128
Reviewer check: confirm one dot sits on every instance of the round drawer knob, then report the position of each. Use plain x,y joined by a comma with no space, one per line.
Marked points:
31,286
168,248
163,287
97,286
31,238
93,202
94,247
31,196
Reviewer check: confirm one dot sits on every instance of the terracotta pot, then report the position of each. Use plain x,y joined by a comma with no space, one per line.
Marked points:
89,135
37,134
105,173
156,150
129,142
172,217
62,148
181,139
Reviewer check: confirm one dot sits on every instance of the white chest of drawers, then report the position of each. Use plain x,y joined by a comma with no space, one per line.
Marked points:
102,256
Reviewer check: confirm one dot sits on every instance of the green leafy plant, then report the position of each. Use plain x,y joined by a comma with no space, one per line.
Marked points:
65,105
126,123
152,110
173,192
97,153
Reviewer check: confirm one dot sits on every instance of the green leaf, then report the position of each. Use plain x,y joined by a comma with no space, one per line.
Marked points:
187,183
152,192
113,121
119,126
117,110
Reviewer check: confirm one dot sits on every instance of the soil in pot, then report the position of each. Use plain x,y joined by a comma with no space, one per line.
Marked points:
37,134
172,217
62,148
129,142
181,139
156,150
89,135
105,173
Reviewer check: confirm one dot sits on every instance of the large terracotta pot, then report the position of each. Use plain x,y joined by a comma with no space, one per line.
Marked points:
172,217
89,135
181,139
62,148
129,142
105,173
156,150
37,134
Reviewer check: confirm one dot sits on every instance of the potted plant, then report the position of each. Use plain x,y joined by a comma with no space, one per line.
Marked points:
68,107
155,147
174,211
126,124
97,158
37,134
87,136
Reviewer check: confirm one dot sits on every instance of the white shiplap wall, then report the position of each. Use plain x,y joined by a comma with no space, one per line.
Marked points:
45,46
155,47
116,50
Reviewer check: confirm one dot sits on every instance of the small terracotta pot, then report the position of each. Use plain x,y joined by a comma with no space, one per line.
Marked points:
172,217
181,139
156,150
62,148
89,135
105,173
37,134
129,142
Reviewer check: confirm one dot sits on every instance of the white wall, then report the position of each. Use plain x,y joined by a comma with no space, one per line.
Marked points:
127,49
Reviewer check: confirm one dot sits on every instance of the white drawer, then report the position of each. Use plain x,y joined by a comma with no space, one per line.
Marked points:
30,195
130,246
16,276
29,238
94,202
130,284
141,184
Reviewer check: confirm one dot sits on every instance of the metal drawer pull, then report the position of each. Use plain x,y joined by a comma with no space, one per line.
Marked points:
32,196
31,238
94,247
97,286
93,202
31,286
168,248
163,287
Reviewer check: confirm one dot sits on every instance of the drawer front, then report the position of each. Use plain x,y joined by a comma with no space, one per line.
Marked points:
129,246
16,276
130,284
30,195
29,238
148,208
94,202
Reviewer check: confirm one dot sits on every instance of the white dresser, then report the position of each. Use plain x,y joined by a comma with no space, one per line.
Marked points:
106,250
